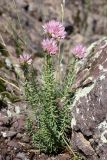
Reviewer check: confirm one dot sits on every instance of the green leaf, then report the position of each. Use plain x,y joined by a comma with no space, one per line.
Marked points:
2,86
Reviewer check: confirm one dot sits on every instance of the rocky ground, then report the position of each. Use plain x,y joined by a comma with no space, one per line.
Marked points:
85,22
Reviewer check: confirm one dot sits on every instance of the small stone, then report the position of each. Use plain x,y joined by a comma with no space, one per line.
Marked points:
17,109
13,144
5,121
64,157
9,113
19,135
96,138
22,156
43,157
15,125
91,141
83,144
18,122
8,158
25,138
8,134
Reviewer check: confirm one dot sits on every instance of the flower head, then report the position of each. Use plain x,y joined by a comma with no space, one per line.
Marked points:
25,58
55,29
50,46
79,51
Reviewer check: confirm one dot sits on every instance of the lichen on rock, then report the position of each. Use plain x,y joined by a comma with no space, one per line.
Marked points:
89,110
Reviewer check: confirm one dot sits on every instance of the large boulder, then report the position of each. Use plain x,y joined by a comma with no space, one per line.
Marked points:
89,110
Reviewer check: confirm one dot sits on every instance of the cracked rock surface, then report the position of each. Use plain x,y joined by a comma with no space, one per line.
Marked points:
89,109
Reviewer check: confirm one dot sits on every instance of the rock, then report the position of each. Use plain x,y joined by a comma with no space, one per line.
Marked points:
64,157
18,123
8,134
19,135
89,108
25,138
102,150
13,144
5,121
43,157
22,156
82,144
8,158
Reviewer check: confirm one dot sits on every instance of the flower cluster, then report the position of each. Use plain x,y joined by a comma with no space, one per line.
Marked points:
78,51
50,46
55,31
25,59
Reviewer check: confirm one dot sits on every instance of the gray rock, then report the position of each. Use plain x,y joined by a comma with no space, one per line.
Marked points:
83,144
89,109
5,121
22,156
8,134
25,138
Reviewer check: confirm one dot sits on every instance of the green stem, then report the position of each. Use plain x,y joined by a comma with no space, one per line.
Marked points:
70,149
59,58
70,76
13,85
62,12
60,55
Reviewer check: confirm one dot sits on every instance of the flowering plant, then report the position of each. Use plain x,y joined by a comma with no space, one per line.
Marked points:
55,29
25,58
50,100
50,46
79,51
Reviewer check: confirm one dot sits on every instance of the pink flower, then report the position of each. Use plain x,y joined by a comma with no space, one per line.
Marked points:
79,51
55,29
50,46
25,58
